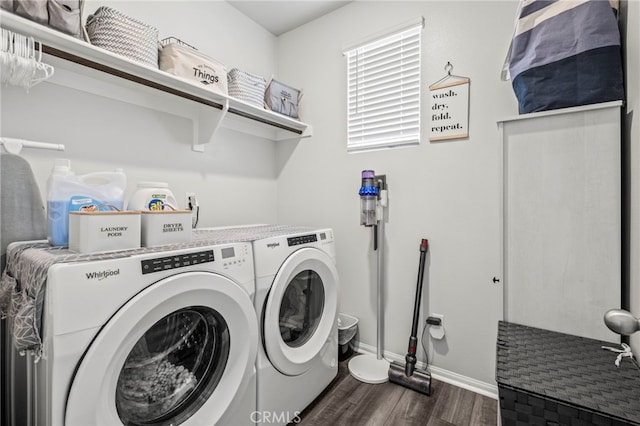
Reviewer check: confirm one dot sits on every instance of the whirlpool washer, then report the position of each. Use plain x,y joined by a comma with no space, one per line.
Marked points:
161,337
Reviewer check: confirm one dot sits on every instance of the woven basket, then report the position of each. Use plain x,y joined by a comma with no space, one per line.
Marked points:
550,378
246,87
114,31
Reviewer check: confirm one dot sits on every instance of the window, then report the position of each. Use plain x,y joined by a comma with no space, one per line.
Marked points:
383,100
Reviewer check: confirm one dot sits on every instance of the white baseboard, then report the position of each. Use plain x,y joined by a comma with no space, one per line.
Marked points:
441,374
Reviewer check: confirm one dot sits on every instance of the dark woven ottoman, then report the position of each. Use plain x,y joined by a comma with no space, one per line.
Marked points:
549,378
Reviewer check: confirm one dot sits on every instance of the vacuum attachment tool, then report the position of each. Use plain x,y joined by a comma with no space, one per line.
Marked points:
407,375
419,381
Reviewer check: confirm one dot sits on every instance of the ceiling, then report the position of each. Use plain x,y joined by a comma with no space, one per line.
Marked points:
278,17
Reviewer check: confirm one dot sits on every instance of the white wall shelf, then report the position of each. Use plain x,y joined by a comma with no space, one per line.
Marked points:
81,66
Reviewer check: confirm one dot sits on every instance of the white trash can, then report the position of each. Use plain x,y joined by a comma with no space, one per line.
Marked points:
347,329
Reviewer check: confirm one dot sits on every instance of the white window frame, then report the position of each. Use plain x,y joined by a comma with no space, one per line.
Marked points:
383,89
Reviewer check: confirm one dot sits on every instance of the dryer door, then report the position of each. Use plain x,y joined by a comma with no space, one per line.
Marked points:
301,310
178,352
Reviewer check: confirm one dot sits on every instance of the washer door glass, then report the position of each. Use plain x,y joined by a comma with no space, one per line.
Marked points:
301,308
173,368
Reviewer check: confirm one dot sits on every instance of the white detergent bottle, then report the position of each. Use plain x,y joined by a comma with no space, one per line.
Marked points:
153,196
67,192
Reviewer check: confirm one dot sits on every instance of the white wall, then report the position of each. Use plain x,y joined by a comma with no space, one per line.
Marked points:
235,179
633,128
447,192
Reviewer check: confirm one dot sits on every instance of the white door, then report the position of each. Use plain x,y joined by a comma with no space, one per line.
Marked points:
301,310
179,352
562,219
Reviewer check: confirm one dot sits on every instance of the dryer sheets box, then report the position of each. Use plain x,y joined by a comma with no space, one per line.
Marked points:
166,227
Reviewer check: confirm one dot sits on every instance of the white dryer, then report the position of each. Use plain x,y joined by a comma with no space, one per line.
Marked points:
162,338
296,302
297,306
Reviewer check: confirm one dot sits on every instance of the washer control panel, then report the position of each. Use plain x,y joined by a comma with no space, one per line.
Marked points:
176,261
302,239
234,257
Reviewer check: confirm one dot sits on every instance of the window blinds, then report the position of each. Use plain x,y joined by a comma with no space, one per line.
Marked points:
384,91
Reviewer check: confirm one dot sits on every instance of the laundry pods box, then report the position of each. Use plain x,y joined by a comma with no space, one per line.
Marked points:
165,227
97,231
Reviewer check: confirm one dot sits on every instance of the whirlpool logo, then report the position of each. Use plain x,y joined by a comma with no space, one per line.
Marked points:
101,275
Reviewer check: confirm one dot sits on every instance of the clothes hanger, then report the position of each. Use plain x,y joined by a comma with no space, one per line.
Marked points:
460,79
21,60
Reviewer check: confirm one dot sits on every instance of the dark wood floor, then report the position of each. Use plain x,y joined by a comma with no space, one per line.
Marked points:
348,401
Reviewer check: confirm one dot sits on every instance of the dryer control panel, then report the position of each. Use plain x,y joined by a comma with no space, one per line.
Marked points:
176,261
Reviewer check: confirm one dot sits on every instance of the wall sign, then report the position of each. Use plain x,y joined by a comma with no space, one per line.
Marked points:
449,107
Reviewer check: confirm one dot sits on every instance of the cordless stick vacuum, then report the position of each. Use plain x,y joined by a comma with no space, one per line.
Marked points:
407,375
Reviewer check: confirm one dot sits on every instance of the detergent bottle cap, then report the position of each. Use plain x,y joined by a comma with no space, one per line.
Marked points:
62,166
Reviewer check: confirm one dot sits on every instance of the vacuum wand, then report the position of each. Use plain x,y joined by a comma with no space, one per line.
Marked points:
413,339
408,376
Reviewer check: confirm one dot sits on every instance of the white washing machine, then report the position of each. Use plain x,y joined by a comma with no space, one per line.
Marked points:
296,302
297,305
162,338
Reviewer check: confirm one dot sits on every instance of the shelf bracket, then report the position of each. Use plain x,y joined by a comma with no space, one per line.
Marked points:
206,124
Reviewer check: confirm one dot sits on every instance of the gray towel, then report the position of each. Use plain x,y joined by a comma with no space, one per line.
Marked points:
22,214
22,217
